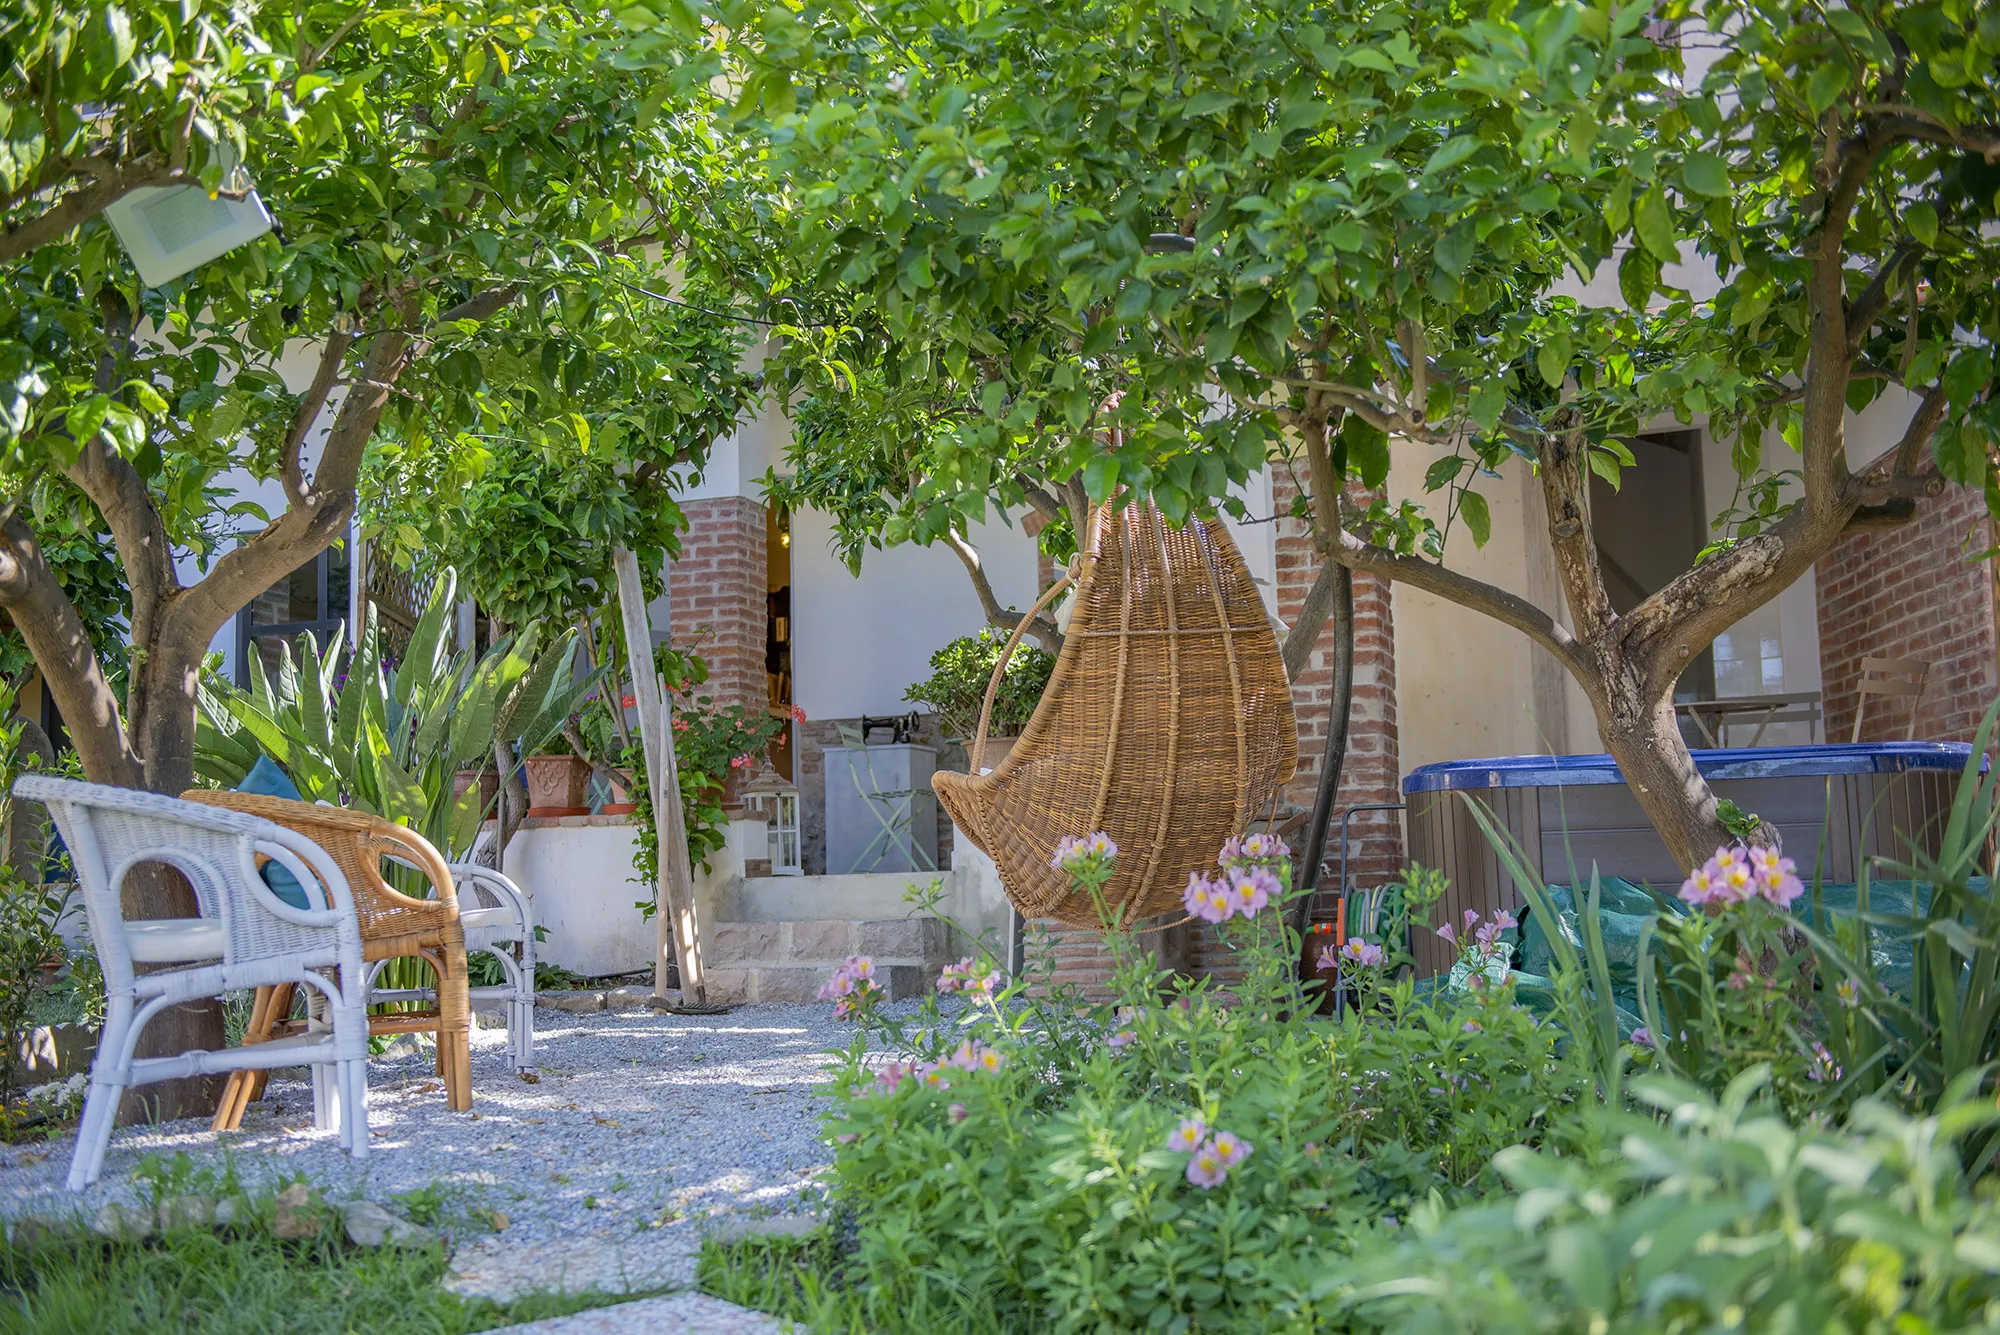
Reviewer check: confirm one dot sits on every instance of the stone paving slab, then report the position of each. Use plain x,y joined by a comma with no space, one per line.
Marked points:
676,1314
497,1268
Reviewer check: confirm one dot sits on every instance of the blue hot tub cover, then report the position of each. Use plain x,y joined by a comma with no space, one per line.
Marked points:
1762,762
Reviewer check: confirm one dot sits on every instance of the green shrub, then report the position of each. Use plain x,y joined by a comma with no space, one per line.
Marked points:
1436,1157
960,674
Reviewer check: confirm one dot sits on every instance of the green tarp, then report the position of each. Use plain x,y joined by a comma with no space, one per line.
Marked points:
1624,907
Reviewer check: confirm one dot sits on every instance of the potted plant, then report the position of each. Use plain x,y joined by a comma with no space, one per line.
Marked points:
956,690
558,781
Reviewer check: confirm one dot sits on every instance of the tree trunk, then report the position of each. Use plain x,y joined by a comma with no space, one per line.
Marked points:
162,699
1644,737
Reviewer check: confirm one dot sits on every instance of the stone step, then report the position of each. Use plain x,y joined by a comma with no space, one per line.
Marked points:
826,942
737,985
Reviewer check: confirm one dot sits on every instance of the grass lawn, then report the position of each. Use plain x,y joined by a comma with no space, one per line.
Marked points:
206,1282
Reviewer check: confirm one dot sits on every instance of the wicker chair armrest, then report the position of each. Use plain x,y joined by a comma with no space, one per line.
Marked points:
370,838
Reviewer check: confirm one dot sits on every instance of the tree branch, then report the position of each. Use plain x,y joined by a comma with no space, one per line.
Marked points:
1867,307
71,673
86,202
324,379
1008,619
1508,608
1303,636
120,494
1563,463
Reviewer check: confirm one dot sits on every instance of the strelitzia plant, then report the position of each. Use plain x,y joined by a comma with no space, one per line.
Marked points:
389,739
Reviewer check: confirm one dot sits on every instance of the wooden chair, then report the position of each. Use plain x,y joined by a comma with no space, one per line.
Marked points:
1892,677
1167,723
393,925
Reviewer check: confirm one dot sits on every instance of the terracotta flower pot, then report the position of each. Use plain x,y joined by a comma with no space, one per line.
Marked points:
618,808
557,785
488,780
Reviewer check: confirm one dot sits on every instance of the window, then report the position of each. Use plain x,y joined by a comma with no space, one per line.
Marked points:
312,598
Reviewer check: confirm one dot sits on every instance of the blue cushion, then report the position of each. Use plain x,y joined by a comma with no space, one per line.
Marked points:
265,779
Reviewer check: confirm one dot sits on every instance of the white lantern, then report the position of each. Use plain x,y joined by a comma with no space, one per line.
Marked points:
777,801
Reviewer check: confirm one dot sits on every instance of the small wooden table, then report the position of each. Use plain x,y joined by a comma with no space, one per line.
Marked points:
1714,717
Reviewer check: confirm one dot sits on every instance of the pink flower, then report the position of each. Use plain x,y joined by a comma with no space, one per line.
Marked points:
933,1076
1447,933
1230,1148
852,987
1207,900
966,1057
1699,888
1237,850
1472,1027
1329,958
1776,877
891,1077
1076,853
1124,1038
1365,954
955,1114
742,762
1642,1037
798,715
1250,890
1850,993
1205,1168
629,701
1187,1137
956,975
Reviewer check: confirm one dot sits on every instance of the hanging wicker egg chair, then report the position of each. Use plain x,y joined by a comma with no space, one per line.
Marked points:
1167,723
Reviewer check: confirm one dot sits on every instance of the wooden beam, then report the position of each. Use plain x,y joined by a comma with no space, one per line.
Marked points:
675,919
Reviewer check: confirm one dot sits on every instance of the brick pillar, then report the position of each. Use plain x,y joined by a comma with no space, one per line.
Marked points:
1373,768
1917,591
719,597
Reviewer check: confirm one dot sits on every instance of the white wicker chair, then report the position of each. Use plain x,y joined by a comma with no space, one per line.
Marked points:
245,937
495,913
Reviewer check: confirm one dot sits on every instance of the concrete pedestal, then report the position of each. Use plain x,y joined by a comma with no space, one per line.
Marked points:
880,813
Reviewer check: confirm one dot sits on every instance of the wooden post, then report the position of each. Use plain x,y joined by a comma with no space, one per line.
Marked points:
675,917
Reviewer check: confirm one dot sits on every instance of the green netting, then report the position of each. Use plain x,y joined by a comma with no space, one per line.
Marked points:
1625,906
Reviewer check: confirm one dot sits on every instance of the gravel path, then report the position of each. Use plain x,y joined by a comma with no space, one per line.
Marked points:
643,1126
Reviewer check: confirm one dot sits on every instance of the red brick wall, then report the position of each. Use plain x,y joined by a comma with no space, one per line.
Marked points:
1913,592
1372,771
719,596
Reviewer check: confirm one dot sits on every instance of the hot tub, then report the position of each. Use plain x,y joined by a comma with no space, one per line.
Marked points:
1571,811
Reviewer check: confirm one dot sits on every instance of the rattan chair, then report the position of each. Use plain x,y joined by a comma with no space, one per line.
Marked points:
245,936
498,917
1167,723
393,925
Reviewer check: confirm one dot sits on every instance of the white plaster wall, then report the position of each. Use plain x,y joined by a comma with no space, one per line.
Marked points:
296,367
862,640
1465,683
580,878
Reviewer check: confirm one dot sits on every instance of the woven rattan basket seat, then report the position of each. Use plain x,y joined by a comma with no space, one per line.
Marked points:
1167,724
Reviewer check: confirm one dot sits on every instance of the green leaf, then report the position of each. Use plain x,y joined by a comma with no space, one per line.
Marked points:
1653,224
1443,472
1704,173
1638,276
1489,400
1828,82
1552,361
1478,522
1922,220
1960,450
1367,451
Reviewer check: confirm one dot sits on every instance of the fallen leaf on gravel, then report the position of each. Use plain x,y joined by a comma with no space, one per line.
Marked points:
606,1121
